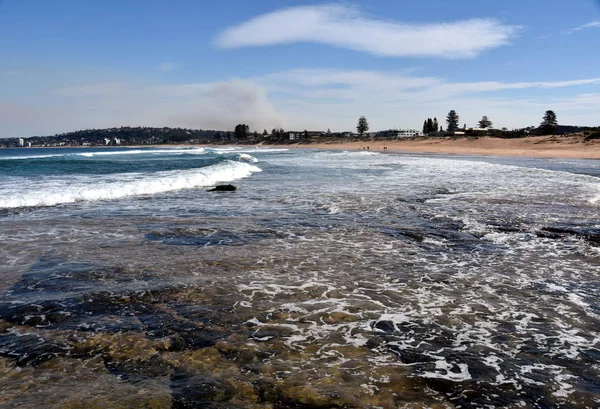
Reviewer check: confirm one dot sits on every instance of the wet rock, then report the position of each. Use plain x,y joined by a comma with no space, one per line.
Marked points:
266,390
73,383
385,326
243,354
332,318
197,237
408,356
591,235
272,331
118,346
375,342
307,396
223,188
195,391
29,348
404,235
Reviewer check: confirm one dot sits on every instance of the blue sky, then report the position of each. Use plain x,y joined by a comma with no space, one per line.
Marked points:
68,65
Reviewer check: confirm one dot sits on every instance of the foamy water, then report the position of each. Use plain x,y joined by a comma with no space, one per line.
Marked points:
328,279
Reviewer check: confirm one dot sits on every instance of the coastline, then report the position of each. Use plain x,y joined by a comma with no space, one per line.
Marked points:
571,147
553,146
556,147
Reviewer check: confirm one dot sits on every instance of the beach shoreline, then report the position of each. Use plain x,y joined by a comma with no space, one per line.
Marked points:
571,147
554,146
568,147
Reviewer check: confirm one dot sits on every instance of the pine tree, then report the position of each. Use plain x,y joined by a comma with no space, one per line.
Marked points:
452,121
485,122
430,125
362,126
436,126
425,129
549,123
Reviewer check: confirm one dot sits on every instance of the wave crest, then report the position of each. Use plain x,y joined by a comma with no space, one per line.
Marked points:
54,191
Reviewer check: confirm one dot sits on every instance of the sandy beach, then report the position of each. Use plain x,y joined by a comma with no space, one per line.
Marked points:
537,146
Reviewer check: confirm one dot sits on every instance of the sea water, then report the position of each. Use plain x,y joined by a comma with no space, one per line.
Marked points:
327,279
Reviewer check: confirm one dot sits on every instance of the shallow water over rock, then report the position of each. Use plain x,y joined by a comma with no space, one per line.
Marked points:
409,285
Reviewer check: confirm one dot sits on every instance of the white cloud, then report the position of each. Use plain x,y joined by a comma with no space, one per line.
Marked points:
346,27
593,24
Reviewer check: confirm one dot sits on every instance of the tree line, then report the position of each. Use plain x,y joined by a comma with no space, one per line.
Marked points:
165,135
548,126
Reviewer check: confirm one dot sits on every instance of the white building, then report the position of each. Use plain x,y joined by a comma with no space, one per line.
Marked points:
21,142
408,133
398,133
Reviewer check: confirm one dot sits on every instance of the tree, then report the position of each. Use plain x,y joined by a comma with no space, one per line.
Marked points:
452,121
362,126
265,133
485,122
241,131
425,128
549,123
430,125
436,126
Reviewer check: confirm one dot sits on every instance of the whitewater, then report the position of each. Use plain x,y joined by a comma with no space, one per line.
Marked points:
327,279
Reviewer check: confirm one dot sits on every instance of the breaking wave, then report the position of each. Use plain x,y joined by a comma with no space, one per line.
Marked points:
53,191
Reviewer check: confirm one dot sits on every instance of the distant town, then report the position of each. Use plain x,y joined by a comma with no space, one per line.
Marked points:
129,136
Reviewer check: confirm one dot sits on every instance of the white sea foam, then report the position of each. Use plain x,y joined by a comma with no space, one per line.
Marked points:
444,370
248,150
247,158
31,157
190,151
53,191
86,154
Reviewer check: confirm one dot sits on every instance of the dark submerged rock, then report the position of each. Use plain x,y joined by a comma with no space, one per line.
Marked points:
196,391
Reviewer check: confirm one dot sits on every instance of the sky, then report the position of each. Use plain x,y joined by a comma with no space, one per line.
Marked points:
67,65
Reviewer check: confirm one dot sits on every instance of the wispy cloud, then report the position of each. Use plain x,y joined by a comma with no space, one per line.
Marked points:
347,27
335,98
390,86
593,24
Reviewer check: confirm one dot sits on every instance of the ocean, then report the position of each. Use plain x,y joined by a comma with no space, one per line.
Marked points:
328,279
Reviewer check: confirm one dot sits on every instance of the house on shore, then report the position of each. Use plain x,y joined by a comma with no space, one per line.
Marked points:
398,133
303,135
